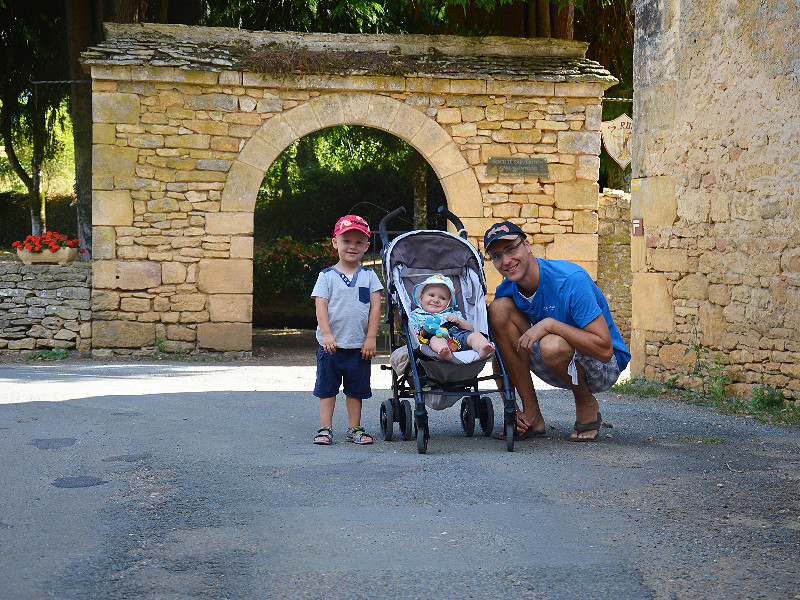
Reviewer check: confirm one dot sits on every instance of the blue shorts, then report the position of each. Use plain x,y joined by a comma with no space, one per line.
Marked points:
347,367
460,336
599,375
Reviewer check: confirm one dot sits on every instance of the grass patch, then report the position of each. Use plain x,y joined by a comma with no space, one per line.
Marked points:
283,61
51,354
766,404
164,353
641,388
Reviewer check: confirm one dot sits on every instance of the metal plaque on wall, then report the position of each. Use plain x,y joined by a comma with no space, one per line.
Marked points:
513,166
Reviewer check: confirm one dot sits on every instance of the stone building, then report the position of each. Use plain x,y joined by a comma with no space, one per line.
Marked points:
715,145
187,120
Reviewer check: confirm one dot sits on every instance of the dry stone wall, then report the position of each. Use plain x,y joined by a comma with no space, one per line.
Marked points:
181,148
45,306
614,256
716,144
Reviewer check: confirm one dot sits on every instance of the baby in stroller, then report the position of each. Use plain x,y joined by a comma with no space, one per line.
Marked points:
436,321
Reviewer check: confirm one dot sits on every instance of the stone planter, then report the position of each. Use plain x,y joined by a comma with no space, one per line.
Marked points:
62,256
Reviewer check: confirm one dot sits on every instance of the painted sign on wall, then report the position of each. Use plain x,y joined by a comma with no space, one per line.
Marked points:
617,139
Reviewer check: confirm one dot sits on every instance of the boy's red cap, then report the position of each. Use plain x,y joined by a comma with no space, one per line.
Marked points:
349,222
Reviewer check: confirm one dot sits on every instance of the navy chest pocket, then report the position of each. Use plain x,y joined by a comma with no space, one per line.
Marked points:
363,295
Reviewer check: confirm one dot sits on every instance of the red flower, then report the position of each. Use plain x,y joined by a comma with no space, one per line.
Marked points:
51,239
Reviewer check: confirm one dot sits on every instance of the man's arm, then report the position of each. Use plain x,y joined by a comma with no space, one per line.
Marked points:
593,340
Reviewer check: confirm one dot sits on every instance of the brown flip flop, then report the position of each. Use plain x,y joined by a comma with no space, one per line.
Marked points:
581,427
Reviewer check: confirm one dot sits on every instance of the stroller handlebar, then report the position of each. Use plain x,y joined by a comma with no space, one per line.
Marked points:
382,228
454,220
385,221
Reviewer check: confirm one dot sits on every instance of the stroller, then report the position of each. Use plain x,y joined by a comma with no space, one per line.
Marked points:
418,373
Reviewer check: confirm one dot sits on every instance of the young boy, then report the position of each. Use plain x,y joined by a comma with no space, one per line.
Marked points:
434,298
348,304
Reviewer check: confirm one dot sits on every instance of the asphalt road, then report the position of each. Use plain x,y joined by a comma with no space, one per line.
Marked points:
199,480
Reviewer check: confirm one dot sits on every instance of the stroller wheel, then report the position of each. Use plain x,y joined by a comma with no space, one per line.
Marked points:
468,416
406,420
486,418
511,429
422,440
387,420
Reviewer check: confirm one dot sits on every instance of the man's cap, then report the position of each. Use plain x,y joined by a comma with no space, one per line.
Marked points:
501,231
349,222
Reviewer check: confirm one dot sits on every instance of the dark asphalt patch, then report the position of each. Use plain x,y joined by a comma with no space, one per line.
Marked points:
78,482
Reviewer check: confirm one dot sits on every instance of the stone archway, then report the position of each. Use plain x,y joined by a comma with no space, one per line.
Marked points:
370,110
184,132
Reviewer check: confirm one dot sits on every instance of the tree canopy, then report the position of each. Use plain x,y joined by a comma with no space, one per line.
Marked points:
33,44
32,48
340,170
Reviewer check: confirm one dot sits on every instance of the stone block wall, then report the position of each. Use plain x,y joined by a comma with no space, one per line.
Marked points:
716,144
179,155
614,256
45,306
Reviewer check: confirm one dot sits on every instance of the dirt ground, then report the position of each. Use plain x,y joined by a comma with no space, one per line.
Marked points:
293,347
280,347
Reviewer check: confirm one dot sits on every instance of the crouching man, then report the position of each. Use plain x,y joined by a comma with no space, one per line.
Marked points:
548,317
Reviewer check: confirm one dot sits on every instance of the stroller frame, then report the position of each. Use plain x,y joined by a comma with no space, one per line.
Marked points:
416,384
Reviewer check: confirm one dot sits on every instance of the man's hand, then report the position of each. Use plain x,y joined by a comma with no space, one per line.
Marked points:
534,334
368,348
522,422
329,343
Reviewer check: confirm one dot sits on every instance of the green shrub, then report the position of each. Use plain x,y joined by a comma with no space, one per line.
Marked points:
766,397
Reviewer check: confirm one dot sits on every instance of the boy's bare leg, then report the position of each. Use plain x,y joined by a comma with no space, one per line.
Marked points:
556,354
326,406
353,411
478,342
508,325
440,346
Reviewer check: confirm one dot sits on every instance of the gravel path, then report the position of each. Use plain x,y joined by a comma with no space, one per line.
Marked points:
165,479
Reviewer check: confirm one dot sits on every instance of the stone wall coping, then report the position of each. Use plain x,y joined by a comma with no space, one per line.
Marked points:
452,57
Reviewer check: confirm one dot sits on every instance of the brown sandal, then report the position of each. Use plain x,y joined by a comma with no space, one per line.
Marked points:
581,427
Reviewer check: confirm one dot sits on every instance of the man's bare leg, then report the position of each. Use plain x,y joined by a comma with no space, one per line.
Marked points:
508,324
556,354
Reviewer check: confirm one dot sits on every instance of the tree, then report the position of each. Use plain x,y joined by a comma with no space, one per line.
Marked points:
608,26
418,170
343,16
31,49
81,29
84,19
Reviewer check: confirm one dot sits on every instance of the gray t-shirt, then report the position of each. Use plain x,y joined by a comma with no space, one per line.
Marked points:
348,304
